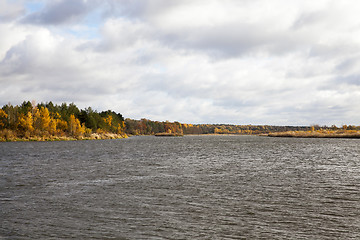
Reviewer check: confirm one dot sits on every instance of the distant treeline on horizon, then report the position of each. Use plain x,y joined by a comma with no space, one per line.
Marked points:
48,119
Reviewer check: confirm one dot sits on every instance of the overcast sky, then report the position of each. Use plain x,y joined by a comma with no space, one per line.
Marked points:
278,62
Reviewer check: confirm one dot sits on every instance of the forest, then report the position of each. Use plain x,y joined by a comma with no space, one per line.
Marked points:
48,121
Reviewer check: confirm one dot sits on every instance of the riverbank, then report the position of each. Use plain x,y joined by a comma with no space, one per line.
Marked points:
169,134
317,134
9,136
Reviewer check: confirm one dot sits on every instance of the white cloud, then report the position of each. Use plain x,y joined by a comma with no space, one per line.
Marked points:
243,62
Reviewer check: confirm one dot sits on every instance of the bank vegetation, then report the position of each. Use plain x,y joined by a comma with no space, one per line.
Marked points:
47,121
322,132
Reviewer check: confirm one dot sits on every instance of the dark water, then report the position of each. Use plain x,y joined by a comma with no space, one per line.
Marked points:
192,187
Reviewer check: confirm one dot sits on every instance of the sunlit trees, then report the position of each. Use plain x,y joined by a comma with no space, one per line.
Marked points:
47,120
75,128
108,122
44,119
37,119
25,122
52,126
120,127
111,121
3,119
61,125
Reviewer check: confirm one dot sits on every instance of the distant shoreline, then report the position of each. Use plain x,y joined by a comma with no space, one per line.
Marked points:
104,136
52,122
169,135
317,134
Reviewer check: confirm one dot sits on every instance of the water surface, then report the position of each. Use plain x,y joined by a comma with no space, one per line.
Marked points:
192,187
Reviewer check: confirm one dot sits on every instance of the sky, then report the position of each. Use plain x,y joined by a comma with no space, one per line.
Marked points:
274,62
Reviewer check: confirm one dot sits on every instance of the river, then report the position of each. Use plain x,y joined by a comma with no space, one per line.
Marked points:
191,187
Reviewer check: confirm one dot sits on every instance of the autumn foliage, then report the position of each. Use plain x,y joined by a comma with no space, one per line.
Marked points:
46,121
49,121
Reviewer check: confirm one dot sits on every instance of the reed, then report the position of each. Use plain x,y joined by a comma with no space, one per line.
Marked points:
318,134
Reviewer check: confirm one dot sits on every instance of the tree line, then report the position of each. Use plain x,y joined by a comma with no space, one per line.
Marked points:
50,121
148,127
45,120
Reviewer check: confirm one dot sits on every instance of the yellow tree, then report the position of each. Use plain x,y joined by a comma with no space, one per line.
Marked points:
81,128
3,118
72,124
52,126
26,122
75,127
108,121
44,119
57,124
120,128
61,125
36,119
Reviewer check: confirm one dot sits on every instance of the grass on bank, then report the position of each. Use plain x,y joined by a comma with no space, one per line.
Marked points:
318,134
7,135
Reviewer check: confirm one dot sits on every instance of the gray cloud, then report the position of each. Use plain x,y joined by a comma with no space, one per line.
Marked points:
10,11
349,80
59,12
234,40
68,11
137,9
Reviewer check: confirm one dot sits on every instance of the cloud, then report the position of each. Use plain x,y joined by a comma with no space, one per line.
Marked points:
59,12
121,33
10,10
242,62
349,80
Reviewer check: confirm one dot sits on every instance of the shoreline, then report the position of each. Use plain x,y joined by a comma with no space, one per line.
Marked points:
105,136
93,136
335,134
168,135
